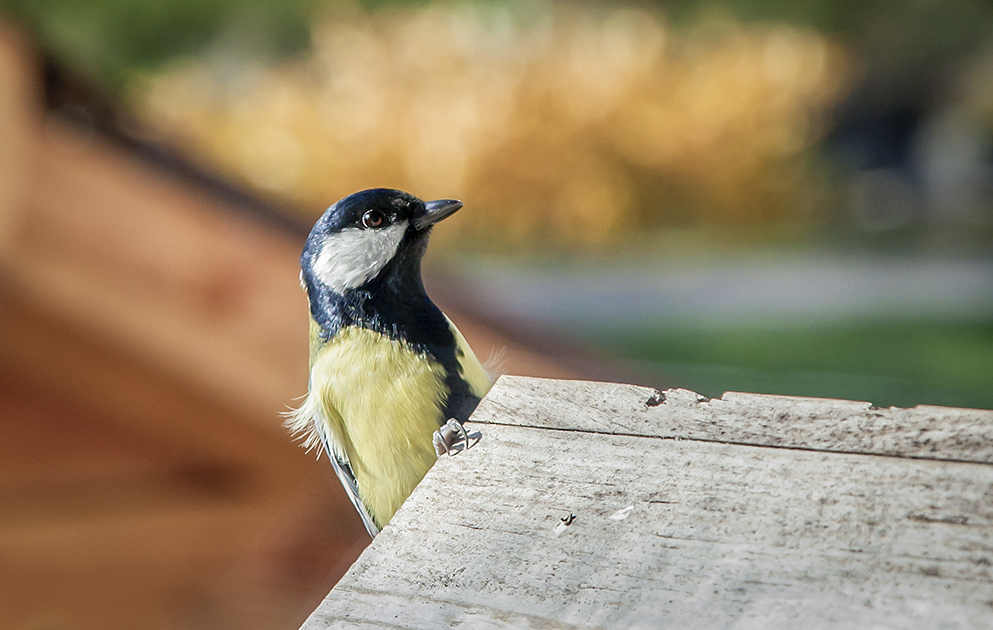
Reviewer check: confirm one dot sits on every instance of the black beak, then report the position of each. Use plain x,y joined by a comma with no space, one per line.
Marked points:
435,211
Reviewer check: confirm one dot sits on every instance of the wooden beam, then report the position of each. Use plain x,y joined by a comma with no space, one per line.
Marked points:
147,265
19,107
585,506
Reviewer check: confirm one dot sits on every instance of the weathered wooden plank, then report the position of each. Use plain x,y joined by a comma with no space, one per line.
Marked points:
695,533
715,533
785,421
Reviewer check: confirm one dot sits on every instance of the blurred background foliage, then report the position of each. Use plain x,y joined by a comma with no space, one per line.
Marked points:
696,129
564,127
569,125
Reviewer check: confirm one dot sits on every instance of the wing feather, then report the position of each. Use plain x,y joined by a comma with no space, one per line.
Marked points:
473,371
309,422
345,475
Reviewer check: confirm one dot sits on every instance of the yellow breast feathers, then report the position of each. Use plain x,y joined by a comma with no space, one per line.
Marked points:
381,401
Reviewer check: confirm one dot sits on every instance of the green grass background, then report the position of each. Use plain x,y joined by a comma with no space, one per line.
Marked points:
884,362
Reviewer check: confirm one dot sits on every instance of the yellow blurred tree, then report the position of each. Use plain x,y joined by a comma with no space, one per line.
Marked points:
561,125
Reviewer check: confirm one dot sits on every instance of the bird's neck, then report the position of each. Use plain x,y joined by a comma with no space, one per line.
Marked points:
393,303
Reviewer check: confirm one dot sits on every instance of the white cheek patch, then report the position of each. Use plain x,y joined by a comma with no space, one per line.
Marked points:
352,257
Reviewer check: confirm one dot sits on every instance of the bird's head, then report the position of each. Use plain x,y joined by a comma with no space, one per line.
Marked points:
370,236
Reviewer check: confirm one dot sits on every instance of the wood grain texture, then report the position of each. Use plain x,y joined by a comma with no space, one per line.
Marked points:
702,532
785,421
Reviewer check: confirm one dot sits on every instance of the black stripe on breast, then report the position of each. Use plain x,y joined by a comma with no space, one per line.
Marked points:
395,304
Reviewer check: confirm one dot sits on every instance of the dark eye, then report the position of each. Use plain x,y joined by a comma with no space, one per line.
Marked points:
373,219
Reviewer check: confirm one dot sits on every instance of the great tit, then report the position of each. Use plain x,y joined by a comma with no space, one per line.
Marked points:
391,377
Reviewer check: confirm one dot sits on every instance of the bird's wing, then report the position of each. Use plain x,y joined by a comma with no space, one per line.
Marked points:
345,475
308,420
473,371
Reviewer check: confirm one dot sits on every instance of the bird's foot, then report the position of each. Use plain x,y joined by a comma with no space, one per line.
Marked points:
452,438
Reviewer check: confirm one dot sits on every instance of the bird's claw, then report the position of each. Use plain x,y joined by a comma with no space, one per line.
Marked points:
452,438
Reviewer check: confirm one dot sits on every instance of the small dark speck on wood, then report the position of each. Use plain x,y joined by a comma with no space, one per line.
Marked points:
656,399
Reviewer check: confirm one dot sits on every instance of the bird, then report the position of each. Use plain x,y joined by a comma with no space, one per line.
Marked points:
391,377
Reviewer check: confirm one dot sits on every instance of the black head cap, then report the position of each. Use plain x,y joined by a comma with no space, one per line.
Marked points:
371,241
